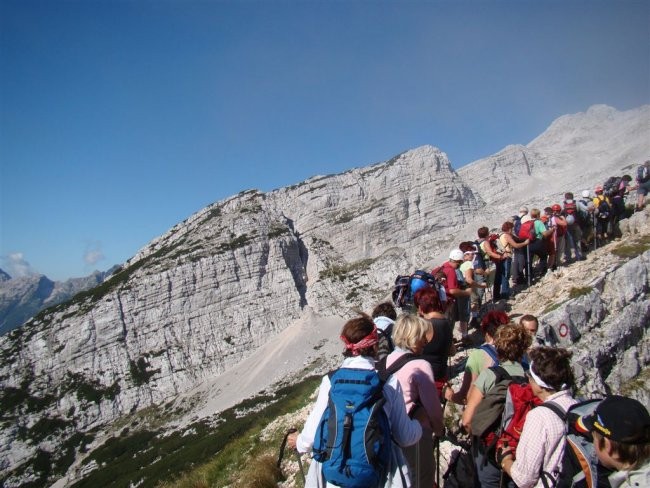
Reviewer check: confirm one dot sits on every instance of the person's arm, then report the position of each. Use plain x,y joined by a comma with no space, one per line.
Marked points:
460,397
513,243
304,441
473,399
525,467
405,430
469,279
429,396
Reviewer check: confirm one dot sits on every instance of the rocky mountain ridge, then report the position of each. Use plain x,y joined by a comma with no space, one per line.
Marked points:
204,296
23,297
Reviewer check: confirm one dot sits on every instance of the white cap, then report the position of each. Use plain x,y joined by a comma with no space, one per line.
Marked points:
456,255
523,209
585,193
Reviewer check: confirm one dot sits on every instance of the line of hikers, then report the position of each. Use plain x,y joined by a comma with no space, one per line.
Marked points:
378,419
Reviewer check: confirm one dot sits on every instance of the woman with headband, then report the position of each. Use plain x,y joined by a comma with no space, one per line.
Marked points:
360,338
541,446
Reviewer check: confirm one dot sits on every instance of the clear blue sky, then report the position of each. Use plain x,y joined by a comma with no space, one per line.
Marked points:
119,119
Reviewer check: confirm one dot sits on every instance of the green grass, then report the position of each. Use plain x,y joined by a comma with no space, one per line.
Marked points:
202,454
632,248
576,292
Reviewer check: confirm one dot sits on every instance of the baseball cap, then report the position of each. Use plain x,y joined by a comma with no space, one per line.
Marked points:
456,255
619,418
585,193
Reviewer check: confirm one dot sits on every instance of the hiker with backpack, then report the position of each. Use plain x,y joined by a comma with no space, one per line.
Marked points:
617,199
536,460
455,287
359,423
520,257
437,350
574,218
384,316
602,213
480,358
558,223
508,242
620,428
488,248
643,184
487,398
405,366
585,207
475,282
536,232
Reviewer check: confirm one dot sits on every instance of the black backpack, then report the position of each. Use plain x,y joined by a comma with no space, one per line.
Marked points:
603,209
611,187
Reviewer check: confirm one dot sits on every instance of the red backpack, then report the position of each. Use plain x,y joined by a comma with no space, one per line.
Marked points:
499,418
527,230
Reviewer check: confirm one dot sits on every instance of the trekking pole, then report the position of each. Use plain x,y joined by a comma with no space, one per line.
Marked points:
528,267
281,455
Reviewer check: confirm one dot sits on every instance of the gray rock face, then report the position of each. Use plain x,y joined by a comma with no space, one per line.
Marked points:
200,298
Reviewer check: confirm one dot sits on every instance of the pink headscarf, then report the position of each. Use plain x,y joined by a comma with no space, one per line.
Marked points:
368,341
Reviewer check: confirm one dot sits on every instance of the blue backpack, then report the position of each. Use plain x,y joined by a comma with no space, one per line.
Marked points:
353,441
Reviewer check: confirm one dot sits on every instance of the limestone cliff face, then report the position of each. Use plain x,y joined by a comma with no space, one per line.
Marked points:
203,296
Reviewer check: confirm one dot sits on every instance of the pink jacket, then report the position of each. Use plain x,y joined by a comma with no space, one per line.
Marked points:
418,386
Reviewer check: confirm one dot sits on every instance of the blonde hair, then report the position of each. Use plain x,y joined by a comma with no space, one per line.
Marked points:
410,331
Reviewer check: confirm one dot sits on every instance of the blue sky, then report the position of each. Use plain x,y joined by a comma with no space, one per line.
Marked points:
119,119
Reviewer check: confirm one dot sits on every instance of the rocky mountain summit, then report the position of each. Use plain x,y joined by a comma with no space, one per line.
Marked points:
200,299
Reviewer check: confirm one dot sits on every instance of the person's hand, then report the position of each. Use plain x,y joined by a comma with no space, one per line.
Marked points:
503,453
291,440
447,392
484,285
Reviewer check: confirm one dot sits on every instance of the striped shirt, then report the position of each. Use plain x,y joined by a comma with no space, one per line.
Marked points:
541,445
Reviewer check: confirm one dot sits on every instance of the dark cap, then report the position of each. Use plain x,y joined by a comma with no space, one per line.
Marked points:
619,418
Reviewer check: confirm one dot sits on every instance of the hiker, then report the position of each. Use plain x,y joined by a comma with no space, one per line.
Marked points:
491,254
541,445
643,185
603,214
509,242
560,228
531,324
510,341
360,338
416,379
480,358
585,207
620,428
520,257
574,217
537,245
455,288
474,280
384,316
436,351
617,199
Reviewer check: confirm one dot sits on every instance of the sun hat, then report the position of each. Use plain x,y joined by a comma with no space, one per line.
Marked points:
456,255
619,418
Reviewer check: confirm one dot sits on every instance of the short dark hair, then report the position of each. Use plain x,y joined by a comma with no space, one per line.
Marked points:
568,196
483,232
553,366
529,318
384,309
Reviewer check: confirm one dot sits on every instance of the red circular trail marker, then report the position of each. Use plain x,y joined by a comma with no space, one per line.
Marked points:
564,330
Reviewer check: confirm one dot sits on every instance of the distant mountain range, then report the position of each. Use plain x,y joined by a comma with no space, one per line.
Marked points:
23,297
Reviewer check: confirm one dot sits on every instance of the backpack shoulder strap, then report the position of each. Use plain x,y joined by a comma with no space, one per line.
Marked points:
500,374
556,409
386,372
491,351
